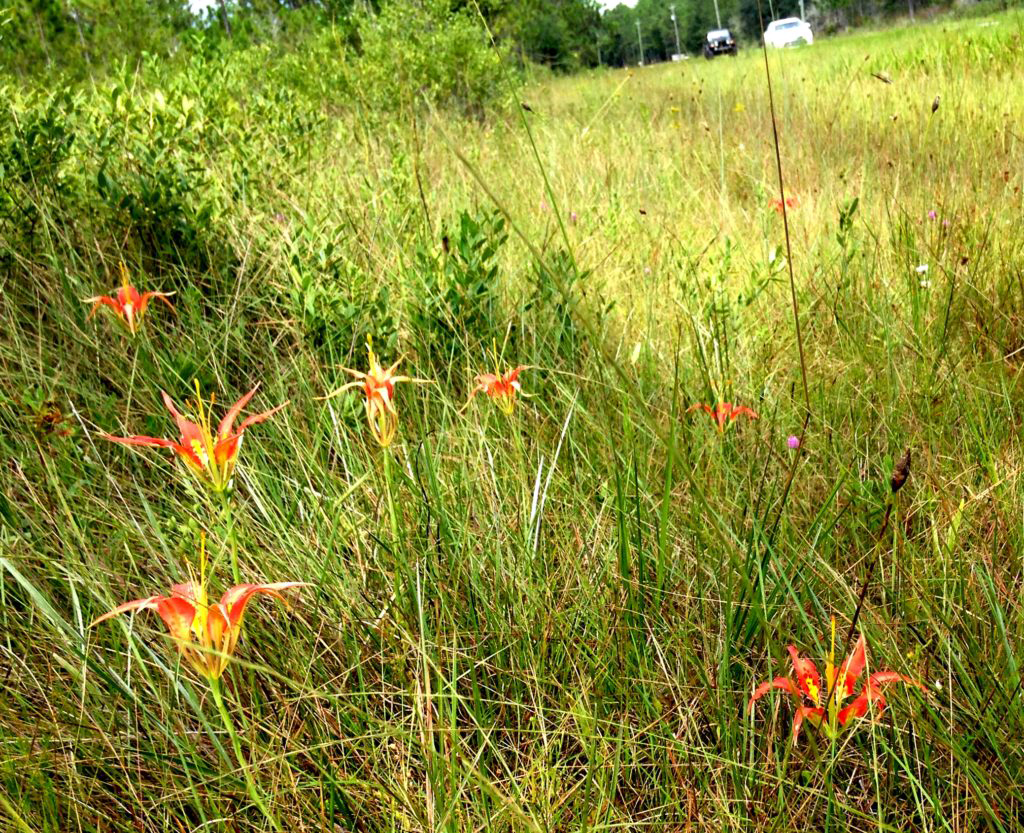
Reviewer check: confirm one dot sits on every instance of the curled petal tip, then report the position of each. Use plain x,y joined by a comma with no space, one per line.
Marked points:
135,604
337,391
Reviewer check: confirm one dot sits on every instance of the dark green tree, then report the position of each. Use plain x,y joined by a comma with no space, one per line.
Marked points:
79,36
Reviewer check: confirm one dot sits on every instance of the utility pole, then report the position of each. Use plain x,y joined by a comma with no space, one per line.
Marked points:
640,38
802,15
676,27
718,17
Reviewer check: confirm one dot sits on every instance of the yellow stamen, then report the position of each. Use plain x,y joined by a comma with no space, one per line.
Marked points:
371,358
198,583
200,452
830,667
830,676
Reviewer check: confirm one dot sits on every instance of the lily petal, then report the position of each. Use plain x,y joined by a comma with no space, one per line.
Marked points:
217,626
186,591
190,432
806,673
871,694
784,683
383,393
254,419
342,389
741,410
158,442
136,604
882,677
178,614
854,665
146,297
128,294
233,412
100,301
814,713
227,447
236,598
186,452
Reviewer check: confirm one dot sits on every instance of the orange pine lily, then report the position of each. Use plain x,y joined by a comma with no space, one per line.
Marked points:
379,386
501,389
824,707
791,202
724,414
206,634
210,456
128,304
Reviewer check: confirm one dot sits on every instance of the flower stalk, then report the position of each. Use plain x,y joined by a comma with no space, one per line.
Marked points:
254,792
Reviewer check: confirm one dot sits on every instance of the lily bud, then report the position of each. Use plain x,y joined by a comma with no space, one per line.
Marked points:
900,472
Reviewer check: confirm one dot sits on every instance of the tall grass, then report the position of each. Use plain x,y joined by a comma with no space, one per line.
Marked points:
552,621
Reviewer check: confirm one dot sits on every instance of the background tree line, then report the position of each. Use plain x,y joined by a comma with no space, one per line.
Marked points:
85,36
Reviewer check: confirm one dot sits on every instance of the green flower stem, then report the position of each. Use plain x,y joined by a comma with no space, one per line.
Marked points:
391,498
254,793
232,535
522,465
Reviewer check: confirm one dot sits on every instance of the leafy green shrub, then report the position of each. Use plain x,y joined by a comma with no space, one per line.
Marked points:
153,178
80,39
426,48
153,161
338,305
35,143
456,297
551,309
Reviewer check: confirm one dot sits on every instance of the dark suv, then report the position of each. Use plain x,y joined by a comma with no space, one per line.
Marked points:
719,42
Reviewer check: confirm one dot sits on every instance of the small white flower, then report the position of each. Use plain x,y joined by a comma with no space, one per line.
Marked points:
926,284
938,685
922,269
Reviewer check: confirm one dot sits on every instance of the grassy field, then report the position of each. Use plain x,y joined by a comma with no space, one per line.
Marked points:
549,621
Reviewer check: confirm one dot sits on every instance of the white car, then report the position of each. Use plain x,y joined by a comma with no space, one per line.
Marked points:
790,31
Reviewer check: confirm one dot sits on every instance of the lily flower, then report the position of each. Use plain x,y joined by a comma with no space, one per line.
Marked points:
210,456
791,202
826,708
724,414
502,389
128,304
206,634
379,386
